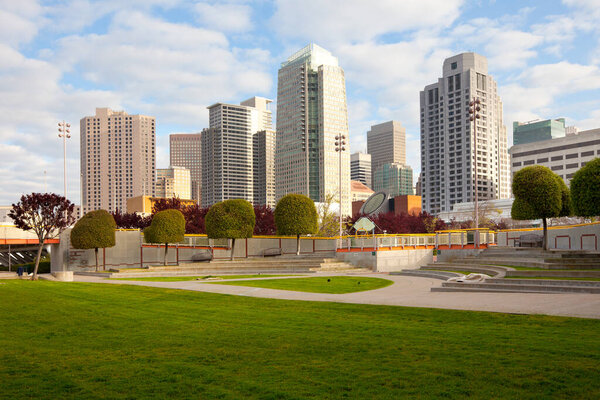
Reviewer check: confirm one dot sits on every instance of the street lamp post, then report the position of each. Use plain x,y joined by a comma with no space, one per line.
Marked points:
64,130
340,142
474,108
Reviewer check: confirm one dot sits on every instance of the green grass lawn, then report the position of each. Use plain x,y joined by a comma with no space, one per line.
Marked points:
321,284
76,340
193,278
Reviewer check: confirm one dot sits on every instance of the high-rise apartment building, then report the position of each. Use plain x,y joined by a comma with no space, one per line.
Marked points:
534,131
395,179
185,150
360,168
118,158
173,182
447,140
311,112
230,149
386,143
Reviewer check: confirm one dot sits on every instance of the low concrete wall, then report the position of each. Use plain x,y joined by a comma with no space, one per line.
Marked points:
389,260
452,254
575,237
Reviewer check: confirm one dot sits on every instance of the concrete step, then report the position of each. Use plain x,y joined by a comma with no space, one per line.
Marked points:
489,270
555,273
426,274
8,275
522,287
481,290
531,263
545,282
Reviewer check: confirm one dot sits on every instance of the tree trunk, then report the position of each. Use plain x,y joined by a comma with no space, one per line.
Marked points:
96,251
545,245
37,261
297,245
166,250
232,248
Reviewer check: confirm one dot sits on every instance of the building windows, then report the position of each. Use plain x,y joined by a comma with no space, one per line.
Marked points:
556,158
587,153
528,162
575,165
542,160
557,168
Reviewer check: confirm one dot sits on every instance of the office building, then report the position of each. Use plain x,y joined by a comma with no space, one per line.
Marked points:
359,191
386,143
447,140
564,155
145,204
173,182
535,131
118,158
360,168
395,179
311,112
185,150
230,159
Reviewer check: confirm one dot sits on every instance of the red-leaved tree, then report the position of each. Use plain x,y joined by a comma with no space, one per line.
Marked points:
265,221
131,220
194,218
46,214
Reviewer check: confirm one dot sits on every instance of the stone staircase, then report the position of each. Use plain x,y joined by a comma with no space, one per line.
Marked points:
497,263
288,264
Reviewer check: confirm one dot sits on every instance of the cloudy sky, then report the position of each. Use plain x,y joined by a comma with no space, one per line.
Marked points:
171,58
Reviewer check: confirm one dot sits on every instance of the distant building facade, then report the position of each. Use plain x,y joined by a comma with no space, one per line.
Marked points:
535,131
144,204
173,182
118,158
564,155
394,178
360,191
447,142
386,143
185,150
311,112
232,154
360,168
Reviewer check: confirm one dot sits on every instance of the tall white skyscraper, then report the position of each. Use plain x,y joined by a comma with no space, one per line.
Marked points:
386,143
311,112
360,168
118,158
447,141
229,150
185,150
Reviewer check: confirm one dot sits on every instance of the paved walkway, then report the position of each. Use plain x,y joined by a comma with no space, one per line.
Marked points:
407,291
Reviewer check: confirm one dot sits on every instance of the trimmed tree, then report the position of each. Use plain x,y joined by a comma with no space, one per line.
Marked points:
539,193
94,230
230,219
296,214
585,190
46,214
167,226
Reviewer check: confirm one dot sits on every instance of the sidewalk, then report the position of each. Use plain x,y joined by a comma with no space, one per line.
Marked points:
406,291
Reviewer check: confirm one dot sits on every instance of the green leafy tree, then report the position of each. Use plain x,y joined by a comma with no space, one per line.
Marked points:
167,226
585,190
328,220
230,219
539,193
295,214
94,230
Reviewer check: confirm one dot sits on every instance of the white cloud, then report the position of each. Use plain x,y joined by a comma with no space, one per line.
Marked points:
225,17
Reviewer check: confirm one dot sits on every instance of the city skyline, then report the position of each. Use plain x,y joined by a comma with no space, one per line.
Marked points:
175,59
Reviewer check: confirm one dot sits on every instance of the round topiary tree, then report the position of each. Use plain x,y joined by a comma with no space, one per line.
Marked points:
94,230
167,226
585,190
231,219
539,193
296,214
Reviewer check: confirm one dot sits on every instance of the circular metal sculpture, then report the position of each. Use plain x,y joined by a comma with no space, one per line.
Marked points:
376,204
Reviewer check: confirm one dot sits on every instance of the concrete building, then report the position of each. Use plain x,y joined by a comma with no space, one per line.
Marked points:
359,191
311,112
564,155
447,140
144,204
360,168
173,182
394,178
386,143
231,154
118,158
407,204
535,131
495,210
185,150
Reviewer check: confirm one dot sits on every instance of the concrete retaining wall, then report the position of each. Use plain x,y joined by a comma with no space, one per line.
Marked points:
576,237
389,260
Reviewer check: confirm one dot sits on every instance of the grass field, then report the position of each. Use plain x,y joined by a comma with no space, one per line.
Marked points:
321,284
193,278
76,340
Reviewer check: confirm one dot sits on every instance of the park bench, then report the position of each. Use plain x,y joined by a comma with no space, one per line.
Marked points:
203,255
529,240
272,252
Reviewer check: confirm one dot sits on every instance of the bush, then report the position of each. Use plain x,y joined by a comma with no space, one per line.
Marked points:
167,226
585,190
296,214
94,230
230,219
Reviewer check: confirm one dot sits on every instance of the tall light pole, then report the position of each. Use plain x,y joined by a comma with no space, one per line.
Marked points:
340,142
474,108
64,130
